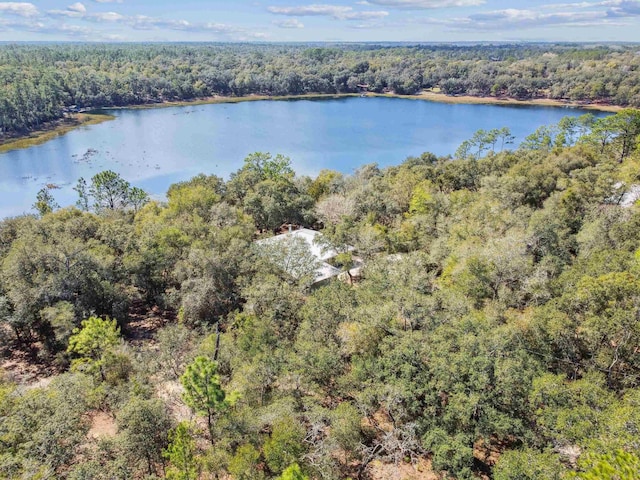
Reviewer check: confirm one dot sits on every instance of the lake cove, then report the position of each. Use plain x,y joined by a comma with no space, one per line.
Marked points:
153,148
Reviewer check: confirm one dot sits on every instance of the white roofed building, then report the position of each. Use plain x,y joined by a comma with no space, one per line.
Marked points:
288,251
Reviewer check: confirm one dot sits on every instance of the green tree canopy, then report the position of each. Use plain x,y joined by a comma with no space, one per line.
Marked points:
202,390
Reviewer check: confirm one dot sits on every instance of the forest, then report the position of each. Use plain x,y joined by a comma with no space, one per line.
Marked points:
42,83
493,331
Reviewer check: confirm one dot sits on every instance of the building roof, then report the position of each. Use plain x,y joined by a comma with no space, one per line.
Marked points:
316,247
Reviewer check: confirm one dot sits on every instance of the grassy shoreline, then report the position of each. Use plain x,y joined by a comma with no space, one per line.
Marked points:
426,95
538,102
248,98
63,126
52,130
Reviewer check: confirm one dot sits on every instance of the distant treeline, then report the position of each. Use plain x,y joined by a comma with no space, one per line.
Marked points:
40,82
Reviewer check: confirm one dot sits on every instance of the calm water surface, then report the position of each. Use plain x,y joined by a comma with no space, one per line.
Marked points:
157,147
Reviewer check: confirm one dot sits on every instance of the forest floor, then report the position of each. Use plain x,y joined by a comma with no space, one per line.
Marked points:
378,470
26,368
23,366
103,425
144,323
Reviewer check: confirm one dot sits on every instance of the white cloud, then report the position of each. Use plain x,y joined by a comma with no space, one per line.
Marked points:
37,26
19,8
289,23
366,26
253,35
65,13
624,8
367,15
218,28
143,22
70,30
423,4
42,22
617,8
77,7
511,18
334,11
105,17
575,5
77,10
312,10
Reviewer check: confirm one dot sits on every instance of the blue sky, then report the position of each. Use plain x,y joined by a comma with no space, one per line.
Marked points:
336,20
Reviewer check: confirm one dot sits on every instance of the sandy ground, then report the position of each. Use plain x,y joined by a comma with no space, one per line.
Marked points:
541,102
103,425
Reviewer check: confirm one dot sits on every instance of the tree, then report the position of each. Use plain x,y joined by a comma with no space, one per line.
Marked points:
92,342
244,464
285,445
293,472
464,150
269,168
571,129
144,425
202,390
483,140
273,203
505,137
42,428
325,184
619,465
109,191
422,199
83,194
292,256
627,123
137,198
570,412
528,464
45,203
332,209
175,349
346,428
480,140
181,454
542,139
62,319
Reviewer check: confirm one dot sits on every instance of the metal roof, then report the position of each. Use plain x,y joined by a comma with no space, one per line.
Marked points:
316,247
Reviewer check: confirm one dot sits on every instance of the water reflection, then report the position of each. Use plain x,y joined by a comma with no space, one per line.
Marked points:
157,147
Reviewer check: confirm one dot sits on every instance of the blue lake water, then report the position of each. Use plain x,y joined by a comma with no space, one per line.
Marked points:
157,147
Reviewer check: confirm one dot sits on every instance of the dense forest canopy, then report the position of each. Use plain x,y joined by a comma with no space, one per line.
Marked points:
41,81
493,330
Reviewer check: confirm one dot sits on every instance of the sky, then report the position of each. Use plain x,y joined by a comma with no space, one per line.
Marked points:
320,21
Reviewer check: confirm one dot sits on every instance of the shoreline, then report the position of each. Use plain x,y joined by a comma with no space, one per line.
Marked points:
429,96
508,101
249,98
52,130
60,127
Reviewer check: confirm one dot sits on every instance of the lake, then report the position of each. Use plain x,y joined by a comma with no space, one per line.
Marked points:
153,148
